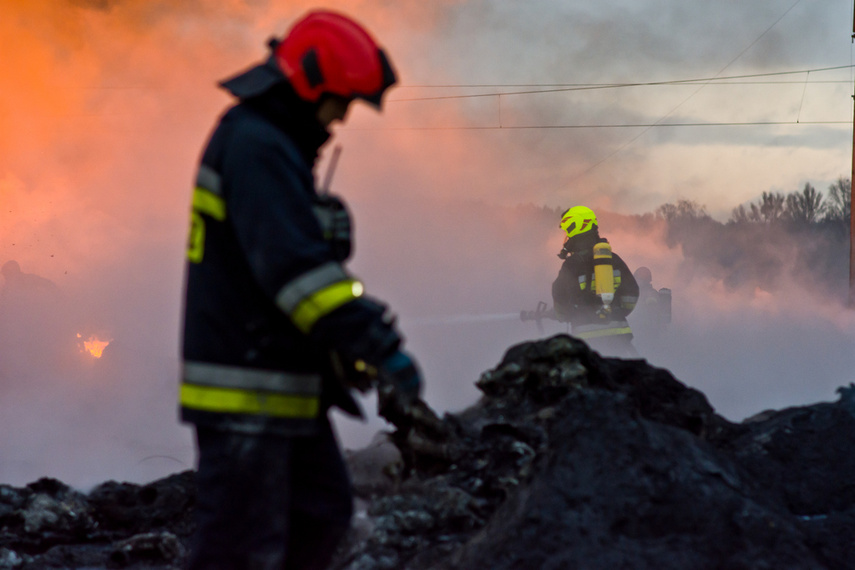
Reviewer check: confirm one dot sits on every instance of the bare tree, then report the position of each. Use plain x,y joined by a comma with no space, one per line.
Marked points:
770,209
754,213
806,206
739,215
839,202
682,210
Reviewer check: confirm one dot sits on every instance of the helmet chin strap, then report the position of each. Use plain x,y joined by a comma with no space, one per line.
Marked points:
579,242
564,253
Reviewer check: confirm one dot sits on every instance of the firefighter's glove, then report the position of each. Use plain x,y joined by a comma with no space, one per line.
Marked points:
399,385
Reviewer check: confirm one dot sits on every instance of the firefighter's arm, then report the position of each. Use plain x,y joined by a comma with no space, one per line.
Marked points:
285,247
626,290
565,293
399,386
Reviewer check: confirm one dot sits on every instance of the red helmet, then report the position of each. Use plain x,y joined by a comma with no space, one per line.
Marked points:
323,53
326,52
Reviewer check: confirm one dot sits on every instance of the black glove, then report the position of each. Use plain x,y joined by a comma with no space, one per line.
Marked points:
399,385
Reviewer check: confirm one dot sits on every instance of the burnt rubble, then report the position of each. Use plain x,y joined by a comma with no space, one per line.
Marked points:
569,460
116,525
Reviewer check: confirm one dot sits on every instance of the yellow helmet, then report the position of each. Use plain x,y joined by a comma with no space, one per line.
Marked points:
578,220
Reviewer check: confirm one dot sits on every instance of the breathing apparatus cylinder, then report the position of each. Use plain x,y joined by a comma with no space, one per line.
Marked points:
604,274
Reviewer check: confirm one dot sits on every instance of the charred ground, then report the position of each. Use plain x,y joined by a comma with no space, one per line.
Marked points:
569,460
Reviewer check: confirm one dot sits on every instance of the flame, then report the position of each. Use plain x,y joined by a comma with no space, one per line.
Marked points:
93,345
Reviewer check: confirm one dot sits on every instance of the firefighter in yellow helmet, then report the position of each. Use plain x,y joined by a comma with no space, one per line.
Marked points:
594,290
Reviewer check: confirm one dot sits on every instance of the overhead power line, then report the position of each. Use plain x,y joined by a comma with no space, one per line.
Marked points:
609,85
559,87
602,126
698,90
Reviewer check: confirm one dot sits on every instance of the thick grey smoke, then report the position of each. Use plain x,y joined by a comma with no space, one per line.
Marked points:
761,326
614,42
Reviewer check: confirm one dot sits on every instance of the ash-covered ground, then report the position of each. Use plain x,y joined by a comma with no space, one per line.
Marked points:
569,460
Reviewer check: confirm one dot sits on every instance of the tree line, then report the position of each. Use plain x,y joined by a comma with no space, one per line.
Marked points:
807,206
802,236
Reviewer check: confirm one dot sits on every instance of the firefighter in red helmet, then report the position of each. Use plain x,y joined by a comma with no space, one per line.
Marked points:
274,324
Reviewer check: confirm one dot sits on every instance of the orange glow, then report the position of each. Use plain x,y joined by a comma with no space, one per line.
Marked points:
93,345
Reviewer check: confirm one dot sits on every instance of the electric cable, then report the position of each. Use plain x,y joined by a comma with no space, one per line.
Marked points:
598,126
683,102
567,87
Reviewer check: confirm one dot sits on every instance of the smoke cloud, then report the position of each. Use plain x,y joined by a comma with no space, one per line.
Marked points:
106,104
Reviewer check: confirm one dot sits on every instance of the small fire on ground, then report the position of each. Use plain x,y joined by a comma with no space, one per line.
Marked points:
93,345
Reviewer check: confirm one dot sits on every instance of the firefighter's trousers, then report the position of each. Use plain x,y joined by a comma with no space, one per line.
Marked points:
269,502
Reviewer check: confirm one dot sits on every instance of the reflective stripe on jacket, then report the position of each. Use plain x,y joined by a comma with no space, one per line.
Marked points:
216,388
600,330
316,293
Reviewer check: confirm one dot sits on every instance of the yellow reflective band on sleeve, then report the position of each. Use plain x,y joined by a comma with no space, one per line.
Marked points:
196,239
603,332
234,401
323,302
206,202
297,290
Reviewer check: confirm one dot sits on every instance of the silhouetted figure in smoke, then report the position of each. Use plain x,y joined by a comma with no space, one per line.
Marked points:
595,290
31,334
20,285
653,311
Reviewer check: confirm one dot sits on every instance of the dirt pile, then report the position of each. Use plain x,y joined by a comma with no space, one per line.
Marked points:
569,460
49,525
575,461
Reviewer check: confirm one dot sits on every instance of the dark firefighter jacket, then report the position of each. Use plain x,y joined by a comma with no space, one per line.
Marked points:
267,297
575,299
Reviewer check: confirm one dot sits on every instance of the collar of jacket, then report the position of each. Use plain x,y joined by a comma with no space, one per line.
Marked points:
584,245
297,118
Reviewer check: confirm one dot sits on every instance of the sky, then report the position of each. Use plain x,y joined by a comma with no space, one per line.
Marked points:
105,106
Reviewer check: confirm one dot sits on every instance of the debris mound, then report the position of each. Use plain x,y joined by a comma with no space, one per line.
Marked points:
117,525
569,460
